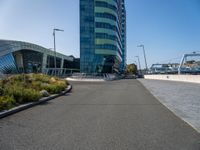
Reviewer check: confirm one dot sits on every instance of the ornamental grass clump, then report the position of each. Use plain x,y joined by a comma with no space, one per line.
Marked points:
40,77
6,102
21,94
54,88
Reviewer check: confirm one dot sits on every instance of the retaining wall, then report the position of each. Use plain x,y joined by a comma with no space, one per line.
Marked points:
183,78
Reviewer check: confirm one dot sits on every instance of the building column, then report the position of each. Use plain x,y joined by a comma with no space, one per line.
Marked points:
44,62
62,63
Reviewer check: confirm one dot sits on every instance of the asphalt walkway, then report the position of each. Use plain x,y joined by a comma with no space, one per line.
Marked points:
117,115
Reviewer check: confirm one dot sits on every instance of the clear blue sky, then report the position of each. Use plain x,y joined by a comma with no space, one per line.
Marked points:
167,28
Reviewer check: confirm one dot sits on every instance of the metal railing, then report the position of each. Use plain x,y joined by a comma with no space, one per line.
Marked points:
60,72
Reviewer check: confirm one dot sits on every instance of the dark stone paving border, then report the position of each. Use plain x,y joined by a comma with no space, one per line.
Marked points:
31,104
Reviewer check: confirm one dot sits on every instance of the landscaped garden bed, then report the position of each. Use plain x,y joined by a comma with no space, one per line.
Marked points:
20,89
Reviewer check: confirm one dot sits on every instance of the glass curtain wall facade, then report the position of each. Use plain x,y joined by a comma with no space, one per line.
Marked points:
123,29
102,36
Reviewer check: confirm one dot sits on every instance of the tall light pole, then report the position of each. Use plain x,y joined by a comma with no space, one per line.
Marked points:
54,40
139,63
136,64
144,56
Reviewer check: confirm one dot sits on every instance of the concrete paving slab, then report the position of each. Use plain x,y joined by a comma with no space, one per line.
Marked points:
182,98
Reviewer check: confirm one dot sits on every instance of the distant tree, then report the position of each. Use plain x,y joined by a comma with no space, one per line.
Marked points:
131,69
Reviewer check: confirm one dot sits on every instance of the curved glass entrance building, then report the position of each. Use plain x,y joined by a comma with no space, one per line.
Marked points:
18,57
102,36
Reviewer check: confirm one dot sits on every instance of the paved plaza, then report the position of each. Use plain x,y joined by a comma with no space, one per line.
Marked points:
117,115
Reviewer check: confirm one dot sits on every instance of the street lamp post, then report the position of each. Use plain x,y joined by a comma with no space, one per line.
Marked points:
144,56
139,63
54,40
136,64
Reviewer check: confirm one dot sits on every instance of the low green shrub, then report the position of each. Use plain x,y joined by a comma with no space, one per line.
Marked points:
1,91
37,85
30,95
22,95
40,77
14,91
54,88
6,102
19,89
17,78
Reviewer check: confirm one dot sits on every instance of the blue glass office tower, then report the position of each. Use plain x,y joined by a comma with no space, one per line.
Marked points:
102,36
